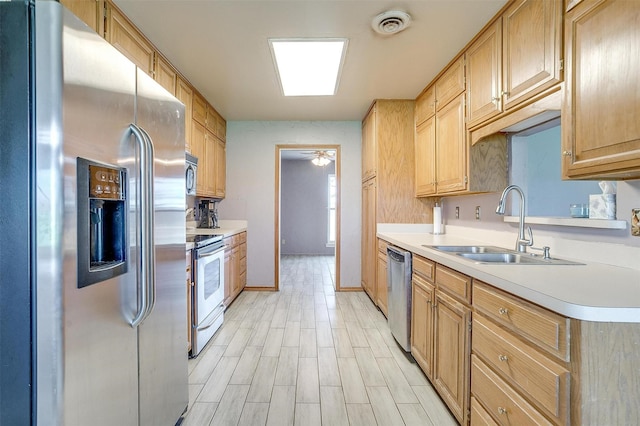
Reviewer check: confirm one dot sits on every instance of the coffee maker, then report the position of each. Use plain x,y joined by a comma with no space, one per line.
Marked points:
208,214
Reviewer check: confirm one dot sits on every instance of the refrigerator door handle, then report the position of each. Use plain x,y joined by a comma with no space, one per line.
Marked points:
150,224
142,266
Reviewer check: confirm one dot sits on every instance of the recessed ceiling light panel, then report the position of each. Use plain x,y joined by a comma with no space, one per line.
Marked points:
391,22
308,67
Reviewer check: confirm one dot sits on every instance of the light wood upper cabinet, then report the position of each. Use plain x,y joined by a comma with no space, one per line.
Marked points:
532,49
220,169
198,137
91,12
369,145
484,69
425,105
450,84
425,141
165,74
514,59
600,127
125,37
451,147
199,109
184,93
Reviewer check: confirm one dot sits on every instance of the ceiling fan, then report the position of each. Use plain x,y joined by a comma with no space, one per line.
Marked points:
321,158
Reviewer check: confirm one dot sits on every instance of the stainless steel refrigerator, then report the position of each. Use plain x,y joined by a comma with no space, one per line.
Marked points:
92,230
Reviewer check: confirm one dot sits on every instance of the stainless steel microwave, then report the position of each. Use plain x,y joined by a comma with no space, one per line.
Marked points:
190,173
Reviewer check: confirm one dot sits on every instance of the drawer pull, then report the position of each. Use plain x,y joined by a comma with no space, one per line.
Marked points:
503,311
503,358
502,410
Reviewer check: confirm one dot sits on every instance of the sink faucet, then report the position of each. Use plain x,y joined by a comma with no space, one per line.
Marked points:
521,243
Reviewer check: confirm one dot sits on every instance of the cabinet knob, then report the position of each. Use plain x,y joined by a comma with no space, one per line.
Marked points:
566,153
503,311
503,358
505,93
502,410
495,99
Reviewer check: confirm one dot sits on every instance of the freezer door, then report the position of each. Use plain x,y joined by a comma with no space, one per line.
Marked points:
162,336
100,347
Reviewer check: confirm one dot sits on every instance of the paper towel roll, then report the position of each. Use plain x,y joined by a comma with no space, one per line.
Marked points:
437,219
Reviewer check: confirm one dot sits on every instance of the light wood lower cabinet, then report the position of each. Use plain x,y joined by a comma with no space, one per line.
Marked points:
381,278
235,266
189,297
422,301
368,277
452,338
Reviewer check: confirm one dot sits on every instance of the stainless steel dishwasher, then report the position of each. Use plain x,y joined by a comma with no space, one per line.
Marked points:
399,295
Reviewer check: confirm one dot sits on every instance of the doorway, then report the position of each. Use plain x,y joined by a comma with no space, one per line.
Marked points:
307,208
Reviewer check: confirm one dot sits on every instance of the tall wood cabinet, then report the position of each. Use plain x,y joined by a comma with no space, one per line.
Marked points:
207,144
184,93
388,193
600,130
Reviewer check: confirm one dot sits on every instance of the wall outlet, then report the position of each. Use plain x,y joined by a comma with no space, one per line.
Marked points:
635,222
477,212
457,212
283,241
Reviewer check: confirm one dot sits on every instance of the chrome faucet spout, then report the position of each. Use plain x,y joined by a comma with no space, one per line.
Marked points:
521,242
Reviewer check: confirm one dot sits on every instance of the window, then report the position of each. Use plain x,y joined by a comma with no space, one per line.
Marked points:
332,202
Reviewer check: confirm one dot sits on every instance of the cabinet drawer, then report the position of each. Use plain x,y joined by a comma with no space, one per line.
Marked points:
382,246
454,283
479,416
501,400
424,268
541,327
545,382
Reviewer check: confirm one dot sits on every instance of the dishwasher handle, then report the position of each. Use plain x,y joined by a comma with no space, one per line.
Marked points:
396,254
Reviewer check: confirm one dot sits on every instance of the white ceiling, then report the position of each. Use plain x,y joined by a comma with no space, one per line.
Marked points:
221,47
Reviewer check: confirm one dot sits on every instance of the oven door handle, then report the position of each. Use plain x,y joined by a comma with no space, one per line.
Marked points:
213,253
214,316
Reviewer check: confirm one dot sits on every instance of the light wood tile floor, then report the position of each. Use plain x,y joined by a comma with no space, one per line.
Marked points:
307,355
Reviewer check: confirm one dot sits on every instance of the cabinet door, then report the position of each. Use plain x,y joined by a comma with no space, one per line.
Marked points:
532,49
451,354
369,145
368,238
450,84
165,74
128,40
220,170
227,274
198,150
484,68
199,108
422,324
91,12
184,93
235,271
600,126
451,147
381,283
425,159
425,105
210,164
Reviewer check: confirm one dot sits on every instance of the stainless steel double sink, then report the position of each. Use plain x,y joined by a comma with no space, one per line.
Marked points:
499,256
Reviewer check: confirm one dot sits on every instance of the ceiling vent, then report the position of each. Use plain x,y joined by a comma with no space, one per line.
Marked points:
391,22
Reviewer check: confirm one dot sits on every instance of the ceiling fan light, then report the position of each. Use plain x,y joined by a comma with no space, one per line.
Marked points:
320,161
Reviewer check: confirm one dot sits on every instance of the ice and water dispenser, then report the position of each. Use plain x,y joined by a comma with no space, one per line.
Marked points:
102,222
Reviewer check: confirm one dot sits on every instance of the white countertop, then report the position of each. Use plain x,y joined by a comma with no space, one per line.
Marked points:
590,292
227,228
